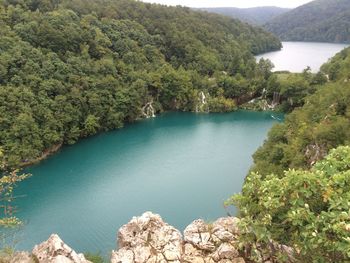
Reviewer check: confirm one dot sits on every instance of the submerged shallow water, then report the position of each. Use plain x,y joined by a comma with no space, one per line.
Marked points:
296,56
180,165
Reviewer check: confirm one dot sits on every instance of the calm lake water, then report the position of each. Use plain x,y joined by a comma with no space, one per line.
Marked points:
180,165
296,56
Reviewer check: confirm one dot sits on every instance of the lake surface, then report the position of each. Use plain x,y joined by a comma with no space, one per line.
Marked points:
296,56
180,165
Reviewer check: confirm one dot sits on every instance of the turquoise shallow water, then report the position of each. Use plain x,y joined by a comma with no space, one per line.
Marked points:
180,165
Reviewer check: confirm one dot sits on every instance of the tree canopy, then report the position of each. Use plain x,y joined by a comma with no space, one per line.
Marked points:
310,131
70,69
319,20
305,209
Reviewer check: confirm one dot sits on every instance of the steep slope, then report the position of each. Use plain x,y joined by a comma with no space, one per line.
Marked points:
298,191
320,20
254,15
70,69
169,22
309,132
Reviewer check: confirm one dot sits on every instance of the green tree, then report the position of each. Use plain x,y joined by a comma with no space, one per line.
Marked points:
91,125
307,210
69,69
8,220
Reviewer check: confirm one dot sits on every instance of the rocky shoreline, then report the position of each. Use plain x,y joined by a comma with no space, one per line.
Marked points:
148,239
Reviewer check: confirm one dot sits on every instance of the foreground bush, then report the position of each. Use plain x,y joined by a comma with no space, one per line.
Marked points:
307,210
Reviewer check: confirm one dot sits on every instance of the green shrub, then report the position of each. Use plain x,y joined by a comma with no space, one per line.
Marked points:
308,210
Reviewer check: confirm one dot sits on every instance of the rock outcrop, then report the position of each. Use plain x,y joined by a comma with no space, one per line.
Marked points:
148,239
216,242
54,250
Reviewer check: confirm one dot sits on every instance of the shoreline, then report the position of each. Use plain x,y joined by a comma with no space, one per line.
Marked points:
54,149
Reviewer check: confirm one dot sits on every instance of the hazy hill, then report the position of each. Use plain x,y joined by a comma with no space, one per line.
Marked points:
254,15
320,20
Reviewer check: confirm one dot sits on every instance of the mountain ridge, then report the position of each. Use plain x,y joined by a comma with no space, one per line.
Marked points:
317,21
253,15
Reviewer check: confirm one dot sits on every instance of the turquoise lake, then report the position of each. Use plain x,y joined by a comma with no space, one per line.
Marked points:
179,165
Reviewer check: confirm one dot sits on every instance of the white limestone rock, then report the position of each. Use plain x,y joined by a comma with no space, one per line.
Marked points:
122,256
149,239
198,234
54,250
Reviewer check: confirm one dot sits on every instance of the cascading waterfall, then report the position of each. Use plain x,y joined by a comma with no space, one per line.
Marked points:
202,99
276,98
275,101
148,110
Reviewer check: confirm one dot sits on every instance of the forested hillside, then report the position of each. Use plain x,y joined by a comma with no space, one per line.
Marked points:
320,20
297,193
309,132
69,69
253,15
307,210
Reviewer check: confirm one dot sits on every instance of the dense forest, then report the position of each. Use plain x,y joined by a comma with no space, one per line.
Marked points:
309,132
253,15
320,20
69,69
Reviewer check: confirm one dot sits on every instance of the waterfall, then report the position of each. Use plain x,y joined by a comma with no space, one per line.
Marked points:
148,110
276,98
202,98
202,101
275,101
291,102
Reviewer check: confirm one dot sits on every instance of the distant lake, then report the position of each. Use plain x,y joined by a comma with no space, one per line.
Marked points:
180,165
296,56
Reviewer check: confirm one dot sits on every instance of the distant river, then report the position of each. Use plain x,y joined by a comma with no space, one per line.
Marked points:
296,56
180,165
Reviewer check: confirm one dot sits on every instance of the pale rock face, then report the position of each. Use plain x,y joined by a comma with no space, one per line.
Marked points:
54,250
61,259
197,234
122,255
229,224
214,242
149,239
190,250
227,251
